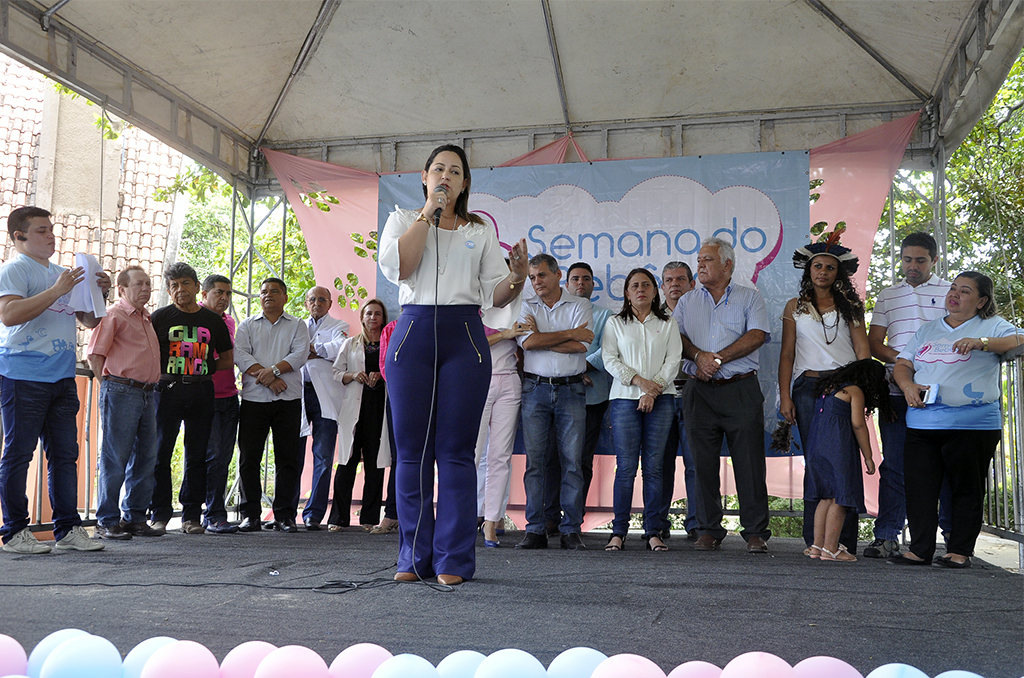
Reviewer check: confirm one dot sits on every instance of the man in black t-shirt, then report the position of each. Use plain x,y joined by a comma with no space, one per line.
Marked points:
188,334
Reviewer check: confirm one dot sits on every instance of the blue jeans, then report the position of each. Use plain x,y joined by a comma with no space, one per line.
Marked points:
639,435
34,411
558,411
892,501
675,445
325,436
804,401
219,451
128,453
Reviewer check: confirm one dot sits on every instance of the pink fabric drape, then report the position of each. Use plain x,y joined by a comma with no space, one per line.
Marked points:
328,229
857,172
550,154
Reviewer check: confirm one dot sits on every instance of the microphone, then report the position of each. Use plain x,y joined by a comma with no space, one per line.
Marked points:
437,212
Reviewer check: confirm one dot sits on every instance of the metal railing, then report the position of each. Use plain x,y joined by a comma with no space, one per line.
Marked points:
1004,497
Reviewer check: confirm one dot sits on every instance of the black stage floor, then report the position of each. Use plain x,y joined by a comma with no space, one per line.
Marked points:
671,607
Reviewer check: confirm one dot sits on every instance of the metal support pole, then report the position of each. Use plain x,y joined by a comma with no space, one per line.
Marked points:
231,256
892,232
284,233
939,208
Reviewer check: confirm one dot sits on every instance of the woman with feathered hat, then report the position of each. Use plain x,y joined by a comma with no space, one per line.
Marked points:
822,330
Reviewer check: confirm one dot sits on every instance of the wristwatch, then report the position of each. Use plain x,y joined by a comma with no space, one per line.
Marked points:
276,371
984,343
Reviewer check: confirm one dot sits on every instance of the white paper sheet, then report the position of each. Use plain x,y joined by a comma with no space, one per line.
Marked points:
86,296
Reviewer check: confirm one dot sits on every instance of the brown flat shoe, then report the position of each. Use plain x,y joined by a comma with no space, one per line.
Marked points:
707,543
406,576
449,579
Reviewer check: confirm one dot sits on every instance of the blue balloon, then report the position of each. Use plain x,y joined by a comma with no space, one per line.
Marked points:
83,657
45,646
406,666
461,664
141,653
577,662
958,674
897,671
511,663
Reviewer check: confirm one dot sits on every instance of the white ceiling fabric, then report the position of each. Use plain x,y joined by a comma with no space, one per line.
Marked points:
402,69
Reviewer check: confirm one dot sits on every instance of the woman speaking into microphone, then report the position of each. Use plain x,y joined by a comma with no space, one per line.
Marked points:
447,264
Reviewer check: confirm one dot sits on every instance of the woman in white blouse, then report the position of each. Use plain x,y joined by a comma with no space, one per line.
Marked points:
448,264
641,350
822,329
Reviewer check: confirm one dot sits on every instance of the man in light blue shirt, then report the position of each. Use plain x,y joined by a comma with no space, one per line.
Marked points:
554,399
723,326
579,281
37,378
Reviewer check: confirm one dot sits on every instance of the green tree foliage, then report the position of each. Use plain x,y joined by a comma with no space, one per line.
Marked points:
985,203
206,240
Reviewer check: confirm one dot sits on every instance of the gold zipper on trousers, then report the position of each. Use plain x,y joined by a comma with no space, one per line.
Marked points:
407,333
479,357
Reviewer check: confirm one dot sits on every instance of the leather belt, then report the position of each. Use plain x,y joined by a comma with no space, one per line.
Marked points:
554,381
729,380
141,385
185,378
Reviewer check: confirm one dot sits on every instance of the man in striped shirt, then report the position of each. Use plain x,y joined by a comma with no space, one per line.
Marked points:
899,311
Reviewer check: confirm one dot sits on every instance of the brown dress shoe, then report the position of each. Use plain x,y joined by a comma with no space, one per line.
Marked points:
406,576
707,543
449,579
756,545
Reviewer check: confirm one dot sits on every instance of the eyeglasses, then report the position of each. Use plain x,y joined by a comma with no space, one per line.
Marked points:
322,300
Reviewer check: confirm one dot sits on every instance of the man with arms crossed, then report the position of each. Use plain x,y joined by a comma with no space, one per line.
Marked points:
554,400
37,381
321,397
723,326
899,311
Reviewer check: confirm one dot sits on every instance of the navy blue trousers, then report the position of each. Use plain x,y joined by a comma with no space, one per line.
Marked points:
445,544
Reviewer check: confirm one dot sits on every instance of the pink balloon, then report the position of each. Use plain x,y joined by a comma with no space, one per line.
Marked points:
628,666
358,661
13,660
242,661
181,658
291,661
825,667
695,670
757,665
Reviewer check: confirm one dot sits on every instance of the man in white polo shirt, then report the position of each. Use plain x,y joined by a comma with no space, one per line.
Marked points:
554,399
899,311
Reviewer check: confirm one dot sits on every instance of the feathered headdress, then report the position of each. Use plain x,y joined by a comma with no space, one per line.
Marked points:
828,244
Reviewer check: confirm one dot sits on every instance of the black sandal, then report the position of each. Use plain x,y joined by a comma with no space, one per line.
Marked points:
656,547
621,546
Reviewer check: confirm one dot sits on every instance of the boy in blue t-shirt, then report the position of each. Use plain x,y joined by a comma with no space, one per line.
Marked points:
38,396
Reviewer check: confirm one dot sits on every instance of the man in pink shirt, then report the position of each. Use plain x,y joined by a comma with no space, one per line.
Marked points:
216,296
124,353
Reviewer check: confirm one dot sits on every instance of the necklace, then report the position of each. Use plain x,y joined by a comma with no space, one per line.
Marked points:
451,235
825,327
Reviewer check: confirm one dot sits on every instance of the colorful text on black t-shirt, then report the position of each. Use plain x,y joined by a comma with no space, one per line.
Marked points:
188,350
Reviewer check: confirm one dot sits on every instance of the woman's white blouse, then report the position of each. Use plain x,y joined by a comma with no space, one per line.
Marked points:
651,348
470,266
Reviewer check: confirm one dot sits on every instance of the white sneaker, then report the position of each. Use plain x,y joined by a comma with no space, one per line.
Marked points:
78,540
26,542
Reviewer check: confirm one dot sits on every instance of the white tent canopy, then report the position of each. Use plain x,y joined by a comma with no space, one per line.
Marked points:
370,83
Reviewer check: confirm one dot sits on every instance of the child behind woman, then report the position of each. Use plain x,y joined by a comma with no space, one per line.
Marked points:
845,398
